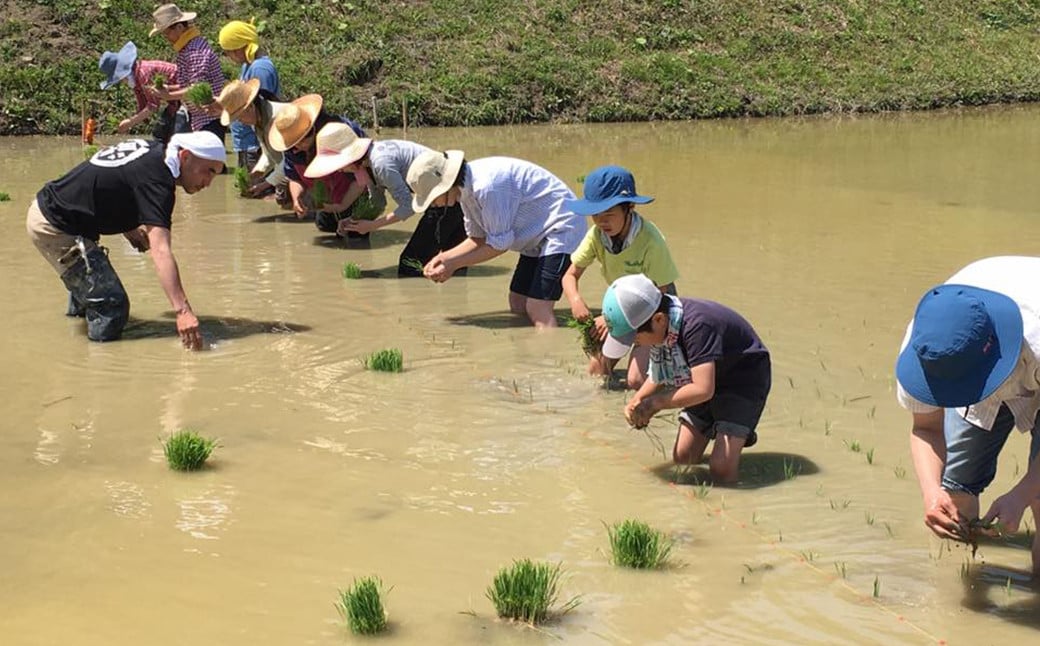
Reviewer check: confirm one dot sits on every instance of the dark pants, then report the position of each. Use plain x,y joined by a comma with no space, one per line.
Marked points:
438,229
96,292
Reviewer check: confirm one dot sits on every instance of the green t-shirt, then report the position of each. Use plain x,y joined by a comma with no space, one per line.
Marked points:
647,254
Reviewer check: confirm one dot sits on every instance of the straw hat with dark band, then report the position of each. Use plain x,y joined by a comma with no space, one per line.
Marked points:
236,97
294,122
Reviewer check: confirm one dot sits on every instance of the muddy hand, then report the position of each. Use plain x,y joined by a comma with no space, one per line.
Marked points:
944,519
188,329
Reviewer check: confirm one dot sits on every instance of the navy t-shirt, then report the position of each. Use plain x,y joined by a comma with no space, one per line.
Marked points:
119,188
713,332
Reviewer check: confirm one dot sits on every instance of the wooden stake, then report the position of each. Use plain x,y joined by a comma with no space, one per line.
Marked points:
375,115
404,117
83,121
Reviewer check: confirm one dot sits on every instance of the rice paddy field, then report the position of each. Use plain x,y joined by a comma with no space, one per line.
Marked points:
491,445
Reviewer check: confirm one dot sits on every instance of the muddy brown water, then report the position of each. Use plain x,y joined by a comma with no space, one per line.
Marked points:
493,445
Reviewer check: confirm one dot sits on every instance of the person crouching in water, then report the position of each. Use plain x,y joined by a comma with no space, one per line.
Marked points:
128,188
709,361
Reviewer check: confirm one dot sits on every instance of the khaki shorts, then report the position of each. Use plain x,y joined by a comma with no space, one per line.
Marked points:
52,243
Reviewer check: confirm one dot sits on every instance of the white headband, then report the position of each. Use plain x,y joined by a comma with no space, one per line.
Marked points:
202,143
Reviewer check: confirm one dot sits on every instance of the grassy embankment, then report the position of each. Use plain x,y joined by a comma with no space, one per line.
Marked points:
488,62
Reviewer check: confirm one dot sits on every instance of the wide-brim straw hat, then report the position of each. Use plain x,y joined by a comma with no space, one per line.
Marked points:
167,15
338,146
431,175
236,97
294,122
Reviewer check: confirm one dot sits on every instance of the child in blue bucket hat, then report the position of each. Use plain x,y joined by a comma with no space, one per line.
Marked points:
705,359
969,372
623,242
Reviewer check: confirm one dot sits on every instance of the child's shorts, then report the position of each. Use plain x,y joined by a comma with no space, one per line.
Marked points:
971,452
540,278
728,414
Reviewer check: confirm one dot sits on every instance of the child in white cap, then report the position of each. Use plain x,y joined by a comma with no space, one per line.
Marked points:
705,359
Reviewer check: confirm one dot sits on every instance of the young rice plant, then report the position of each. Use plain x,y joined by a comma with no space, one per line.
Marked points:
362,606
351,271
635,544
389,360
526,591
187,450
199,94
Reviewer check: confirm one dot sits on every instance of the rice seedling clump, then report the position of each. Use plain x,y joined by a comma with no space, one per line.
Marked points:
362,606
635,544
187,450
351,271
319,194
526,591
412,263
590,345
199,94
389,360
5,197
365,208
89,150
242,180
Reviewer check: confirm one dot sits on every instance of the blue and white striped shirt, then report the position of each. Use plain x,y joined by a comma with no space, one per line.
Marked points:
390,159
519,206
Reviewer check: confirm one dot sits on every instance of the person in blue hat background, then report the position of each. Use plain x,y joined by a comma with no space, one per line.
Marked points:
141,76
623,242
705,359
968,371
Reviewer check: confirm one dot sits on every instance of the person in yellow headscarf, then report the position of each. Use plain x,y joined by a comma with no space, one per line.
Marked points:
241,43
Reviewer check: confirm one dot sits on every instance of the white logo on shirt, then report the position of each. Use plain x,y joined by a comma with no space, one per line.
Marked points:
120,154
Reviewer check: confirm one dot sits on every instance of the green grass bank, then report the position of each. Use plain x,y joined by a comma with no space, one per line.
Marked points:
472,62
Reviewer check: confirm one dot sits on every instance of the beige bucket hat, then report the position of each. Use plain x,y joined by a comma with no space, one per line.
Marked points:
167,15
294,122
236,97
338,146
431,175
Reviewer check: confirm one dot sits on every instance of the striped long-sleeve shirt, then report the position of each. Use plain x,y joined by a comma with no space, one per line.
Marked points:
196,63
144,77
516,205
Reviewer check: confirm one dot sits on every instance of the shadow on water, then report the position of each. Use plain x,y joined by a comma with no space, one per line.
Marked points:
288,217
214,328
757,470
1007,593
499,320
375,240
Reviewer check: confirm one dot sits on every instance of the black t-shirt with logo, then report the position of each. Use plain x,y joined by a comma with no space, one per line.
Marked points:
119,188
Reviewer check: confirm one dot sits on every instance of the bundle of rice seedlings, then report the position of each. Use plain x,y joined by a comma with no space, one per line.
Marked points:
5,197
590,345
365,208
389,360
412,263
526,591
242,180
351,271
319,194
635,544
362,606
159,82
199,94
89,150
187,450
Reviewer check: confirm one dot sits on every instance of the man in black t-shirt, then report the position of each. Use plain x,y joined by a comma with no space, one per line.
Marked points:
128,188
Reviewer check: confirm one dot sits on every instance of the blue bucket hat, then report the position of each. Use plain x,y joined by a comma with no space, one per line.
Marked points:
964,343
606,187
118,65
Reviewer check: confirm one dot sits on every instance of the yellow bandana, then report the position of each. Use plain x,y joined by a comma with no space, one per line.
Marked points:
186,38
237,34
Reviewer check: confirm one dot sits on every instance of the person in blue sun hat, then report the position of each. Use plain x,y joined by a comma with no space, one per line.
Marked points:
143,77
623,242
968,371
705,359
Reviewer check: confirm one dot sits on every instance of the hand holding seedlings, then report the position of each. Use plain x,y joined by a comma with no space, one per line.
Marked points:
638,412
943,517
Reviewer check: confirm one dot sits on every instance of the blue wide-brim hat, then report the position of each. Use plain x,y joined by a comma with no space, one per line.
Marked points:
965,342
118,65
606,187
